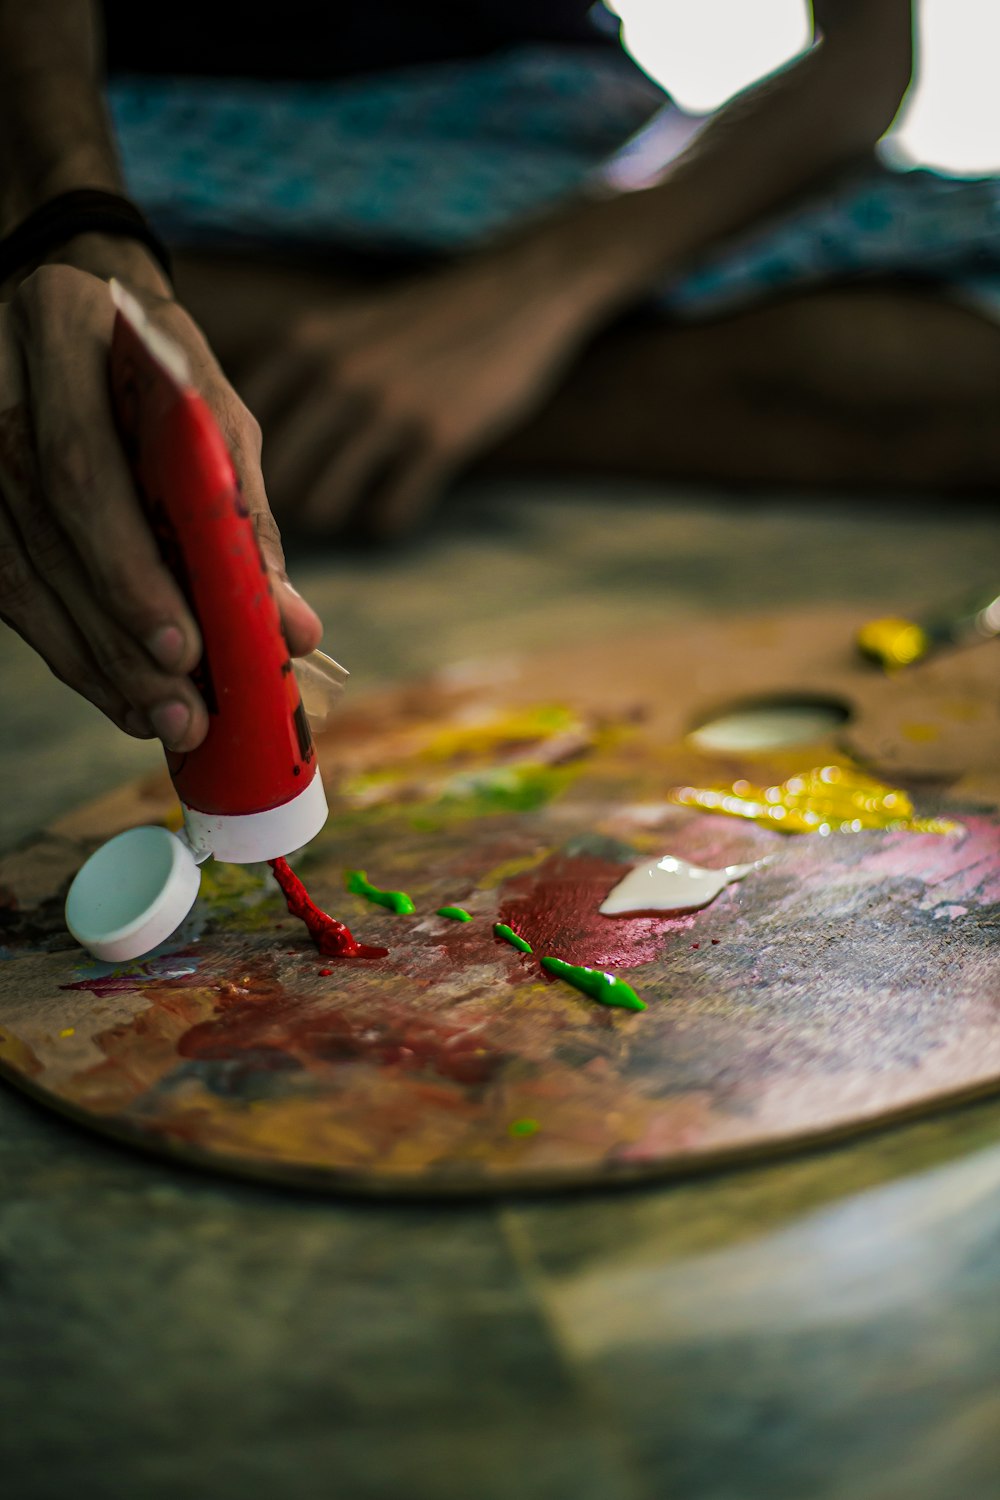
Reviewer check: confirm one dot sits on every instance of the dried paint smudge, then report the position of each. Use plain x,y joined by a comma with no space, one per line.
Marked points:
358,884
103,979
826,799
275,1032
607,989
331,937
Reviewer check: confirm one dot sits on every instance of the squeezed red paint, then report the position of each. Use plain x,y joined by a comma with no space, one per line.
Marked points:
555,907
331,937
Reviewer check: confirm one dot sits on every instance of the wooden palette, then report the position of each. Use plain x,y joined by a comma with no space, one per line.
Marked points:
852,980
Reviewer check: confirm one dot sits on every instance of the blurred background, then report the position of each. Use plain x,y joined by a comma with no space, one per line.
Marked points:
703,53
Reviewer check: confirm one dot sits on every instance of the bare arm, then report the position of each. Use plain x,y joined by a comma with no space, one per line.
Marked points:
447,365
80,576
821,112
54,132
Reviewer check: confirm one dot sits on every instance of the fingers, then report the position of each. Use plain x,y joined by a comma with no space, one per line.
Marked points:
38,617
80,575
27,605
47,597
304,441
328,448
336,455
272,385
409,494
64,326
350,472
302,626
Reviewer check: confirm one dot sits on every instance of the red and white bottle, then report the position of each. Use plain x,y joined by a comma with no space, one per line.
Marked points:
251,791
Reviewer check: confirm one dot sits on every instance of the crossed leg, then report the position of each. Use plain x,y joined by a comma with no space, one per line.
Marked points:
858,388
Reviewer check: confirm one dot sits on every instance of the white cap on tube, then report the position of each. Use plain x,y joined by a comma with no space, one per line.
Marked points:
135,890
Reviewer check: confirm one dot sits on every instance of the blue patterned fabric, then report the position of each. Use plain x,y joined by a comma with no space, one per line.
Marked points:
436,160
917,224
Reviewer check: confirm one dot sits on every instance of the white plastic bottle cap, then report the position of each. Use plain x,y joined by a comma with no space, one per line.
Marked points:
132,893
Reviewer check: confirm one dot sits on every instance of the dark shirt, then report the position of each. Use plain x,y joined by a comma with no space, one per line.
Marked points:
303,39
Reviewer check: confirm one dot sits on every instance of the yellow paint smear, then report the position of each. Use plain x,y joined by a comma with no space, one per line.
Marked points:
827,799
921,734
483,737
893,642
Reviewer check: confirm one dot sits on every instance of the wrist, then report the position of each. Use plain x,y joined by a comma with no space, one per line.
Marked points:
107,255
103,256
601,253
97,231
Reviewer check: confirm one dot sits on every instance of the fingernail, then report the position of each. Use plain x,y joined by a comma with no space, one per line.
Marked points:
170,722
166,645
137,724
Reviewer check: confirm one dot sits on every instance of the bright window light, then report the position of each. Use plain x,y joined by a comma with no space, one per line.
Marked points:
951,119
704,51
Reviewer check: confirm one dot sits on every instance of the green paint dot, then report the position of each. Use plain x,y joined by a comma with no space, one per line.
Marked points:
456,913
604,988
523,1127
501,930
396,901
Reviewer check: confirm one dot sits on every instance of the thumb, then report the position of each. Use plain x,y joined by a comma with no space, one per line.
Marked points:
302,625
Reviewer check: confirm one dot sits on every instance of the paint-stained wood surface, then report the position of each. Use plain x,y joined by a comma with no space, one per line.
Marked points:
853,979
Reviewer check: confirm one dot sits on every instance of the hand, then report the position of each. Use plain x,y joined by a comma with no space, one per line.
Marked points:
369,410
80,576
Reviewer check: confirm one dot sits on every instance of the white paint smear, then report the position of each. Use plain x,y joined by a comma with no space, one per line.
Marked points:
671,884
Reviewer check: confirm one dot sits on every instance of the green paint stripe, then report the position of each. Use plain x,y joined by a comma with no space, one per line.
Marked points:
396,901
604,988
501,930
456,913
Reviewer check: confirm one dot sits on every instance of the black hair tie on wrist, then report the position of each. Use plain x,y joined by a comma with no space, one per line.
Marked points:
82,211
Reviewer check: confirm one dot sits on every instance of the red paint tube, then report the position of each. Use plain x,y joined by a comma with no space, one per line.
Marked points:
251,791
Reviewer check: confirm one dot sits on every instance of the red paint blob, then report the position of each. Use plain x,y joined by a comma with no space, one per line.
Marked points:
331,937
325,972
555,907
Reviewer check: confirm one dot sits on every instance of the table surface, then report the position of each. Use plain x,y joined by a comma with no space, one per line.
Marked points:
814,1329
